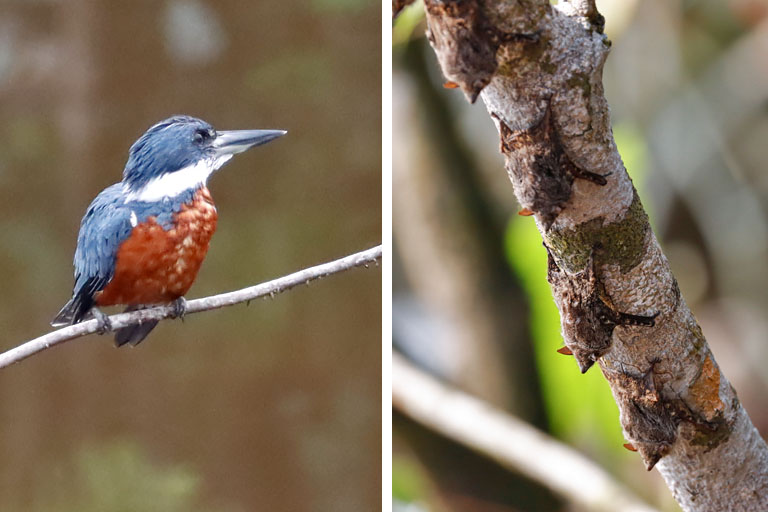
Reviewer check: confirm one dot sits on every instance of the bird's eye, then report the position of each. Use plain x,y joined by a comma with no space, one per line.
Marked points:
201,136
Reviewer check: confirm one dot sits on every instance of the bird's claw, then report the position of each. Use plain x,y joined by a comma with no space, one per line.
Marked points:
180,308
103,325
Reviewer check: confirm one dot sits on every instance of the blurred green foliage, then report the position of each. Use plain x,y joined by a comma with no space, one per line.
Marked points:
406,23
408,481
120,477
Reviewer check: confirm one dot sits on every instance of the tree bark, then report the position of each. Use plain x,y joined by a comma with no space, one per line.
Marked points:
538,69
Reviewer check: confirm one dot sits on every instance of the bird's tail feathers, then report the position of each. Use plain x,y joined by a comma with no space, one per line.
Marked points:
73,312
79,306
65,316
134,334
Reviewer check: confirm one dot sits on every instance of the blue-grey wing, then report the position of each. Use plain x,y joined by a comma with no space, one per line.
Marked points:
106,224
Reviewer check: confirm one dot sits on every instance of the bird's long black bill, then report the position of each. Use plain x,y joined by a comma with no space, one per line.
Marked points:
237,141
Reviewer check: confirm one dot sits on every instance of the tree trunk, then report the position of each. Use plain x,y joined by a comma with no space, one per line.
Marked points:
538,68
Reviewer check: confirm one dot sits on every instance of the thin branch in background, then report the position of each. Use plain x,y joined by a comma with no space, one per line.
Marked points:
512,443
118,321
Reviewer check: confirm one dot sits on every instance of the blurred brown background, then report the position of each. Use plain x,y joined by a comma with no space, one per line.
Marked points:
271,407
687,82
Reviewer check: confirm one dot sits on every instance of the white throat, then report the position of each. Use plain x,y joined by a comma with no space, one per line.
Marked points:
175,183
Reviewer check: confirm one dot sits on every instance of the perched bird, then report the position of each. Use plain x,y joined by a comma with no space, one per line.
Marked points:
143,240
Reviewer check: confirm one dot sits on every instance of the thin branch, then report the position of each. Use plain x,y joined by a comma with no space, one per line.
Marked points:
118,321
512,443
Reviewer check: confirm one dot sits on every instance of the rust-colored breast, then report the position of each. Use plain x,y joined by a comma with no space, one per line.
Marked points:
155,265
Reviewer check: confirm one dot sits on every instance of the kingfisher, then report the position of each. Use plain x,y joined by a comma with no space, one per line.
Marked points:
142,240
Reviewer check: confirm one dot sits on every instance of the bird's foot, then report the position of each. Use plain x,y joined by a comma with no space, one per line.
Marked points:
103,323
180,308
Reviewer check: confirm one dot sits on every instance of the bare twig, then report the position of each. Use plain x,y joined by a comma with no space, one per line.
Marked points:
512,443
270,288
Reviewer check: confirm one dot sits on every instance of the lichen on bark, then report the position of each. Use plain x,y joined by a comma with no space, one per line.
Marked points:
619,242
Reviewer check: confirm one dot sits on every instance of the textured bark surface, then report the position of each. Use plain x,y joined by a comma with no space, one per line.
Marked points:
538,69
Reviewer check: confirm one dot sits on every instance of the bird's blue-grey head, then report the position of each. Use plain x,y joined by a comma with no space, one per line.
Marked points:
180,153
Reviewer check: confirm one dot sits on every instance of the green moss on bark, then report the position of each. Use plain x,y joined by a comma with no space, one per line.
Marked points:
619,243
